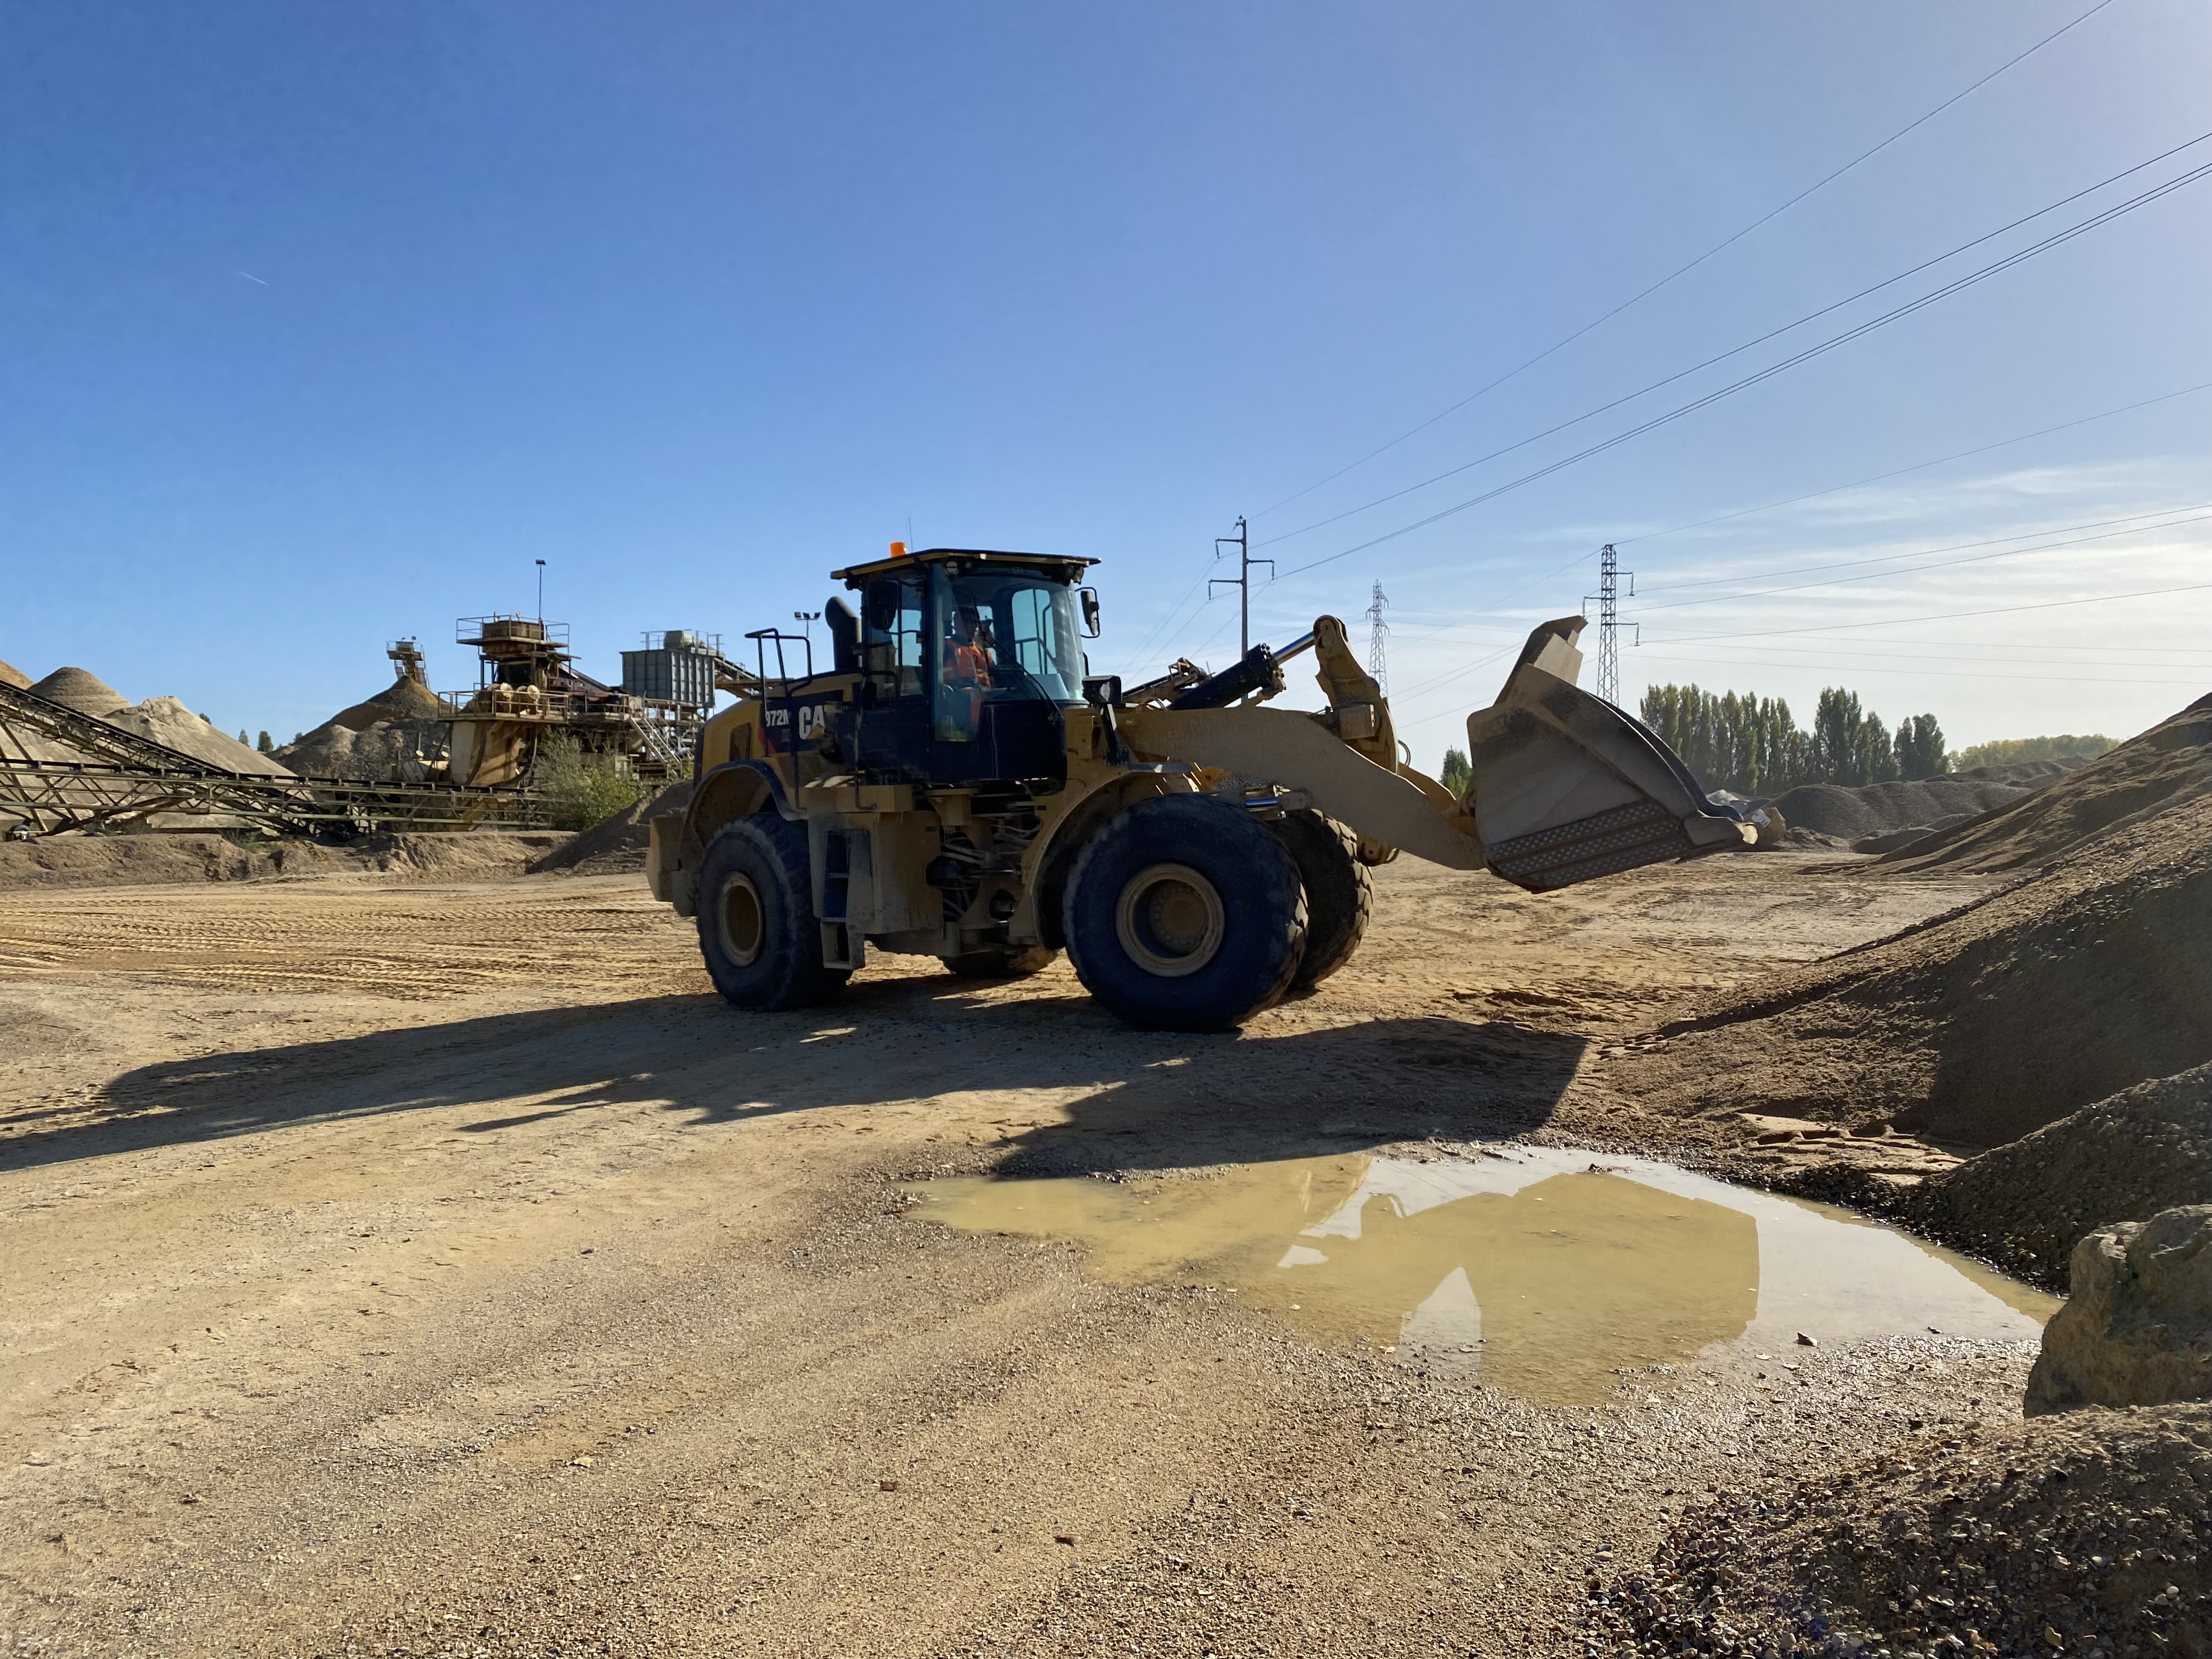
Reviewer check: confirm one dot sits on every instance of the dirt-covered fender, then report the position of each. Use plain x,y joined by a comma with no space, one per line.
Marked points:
1051,857
680,840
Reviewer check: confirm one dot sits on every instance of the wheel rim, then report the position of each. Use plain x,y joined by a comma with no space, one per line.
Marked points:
743,921
1170,920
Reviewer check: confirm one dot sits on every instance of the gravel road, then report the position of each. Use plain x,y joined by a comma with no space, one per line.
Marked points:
410,1269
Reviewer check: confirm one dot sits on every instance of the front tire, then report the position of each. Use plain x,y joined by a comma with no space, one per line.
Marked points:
1339,893
757,930
1184,913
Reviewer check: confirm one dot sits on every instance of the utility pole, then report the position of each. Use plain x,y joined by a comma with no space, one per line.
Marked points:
1376,628
1242,582
1607,596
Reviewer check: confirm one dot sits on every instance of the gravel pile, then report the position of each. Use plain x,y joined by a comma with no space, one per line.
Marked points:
2025,1206
164,721
617,843
2168,764
2084,1533
391,752
1976,1028
82,689
11,675
1834,810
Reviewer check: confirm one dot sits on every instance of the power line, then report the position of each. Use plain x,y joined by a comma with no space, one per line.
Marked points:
1931,673
1811,316
1683,270
1906,310
1917,466
1947,564
1944,616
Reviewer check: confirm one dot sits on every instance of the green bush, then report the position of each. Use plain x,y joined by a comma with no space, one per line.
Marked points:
1457,772
580,789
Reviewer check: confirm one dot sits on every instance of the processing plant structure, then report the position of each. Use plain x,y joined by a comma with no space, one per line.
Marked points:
530,695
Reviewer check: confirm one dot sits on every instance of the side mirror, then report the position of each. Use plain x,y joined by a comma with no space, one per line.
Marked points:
1088,596
880,604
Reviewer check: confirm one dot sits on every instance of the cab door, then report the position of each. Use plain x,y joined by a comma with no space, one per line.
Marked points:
893,708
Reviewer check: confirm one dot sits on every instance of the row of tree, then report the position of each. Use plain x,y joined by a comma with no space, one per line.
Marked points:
1753,745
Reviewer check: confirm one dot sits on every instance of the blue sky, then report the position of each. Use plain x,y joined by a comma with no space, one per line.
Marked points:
324,321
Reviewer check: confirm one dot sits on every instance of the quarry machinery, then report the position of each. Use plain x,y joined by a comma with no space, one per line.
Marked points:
953,782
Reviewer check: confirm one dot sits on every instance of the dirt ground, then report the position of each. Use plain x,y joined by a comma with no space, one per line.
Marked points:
442,1269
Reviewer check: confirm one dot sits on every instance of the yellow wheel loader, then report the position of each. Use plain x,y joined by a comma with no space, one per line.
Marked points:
956,785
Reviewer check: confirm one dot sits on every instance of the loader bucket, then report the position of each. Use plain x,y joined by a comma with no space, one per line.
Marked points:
1566,787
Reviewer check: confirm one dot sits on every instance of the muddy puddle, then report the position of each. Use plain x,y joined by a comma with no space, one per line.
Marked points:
1535,1270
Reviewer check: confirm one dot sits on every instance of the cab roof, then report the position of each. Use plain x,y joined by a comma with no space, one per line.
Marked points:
1066,565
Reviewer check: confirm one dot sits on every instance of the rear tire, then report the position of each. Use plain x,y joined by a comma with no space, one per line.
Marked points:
1007,962
757,930
1184,913
1339,893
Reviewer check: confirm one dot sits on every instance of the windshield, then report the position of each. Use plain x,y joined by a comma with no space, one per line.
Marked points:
1024,627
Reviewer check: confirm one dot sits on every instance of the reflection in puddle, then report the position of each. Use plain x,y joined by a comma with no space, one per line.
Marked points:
1544,1275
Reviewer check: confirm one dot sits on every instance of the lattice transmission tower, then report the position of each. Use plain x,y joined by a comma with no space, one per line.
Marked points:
1377,633
1609,624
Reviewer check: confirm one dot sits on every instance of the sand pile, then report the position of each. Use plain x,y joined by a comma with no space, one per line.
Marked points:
2089,1531
388,751
1976,1027
2169,763
398,736
164,721
81,689
11,675
2025,1206
404,699
169,723
1833,810
618,843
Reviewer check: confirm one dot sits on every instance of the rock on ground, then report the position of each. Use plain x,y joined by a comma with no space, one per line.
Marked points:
2137,1329
2025,1206
2089,1533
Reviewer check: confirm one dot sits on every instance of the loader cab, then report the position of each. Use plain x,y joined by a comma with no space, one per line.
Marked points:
967,659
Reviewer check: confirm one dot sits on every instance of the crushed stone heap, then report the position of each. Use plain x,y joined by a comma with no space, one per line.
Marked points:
2025,1206
618,843
384,751
398,736
165,720
1830,809
2089,1531
2170,763
82,689
1976,1028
